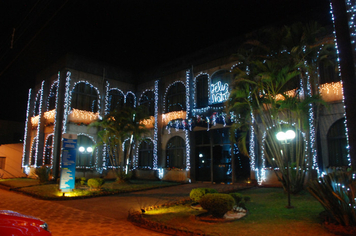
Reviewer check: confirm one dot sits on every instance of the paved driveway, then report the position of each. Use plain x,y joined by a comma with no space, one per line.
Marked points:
97,216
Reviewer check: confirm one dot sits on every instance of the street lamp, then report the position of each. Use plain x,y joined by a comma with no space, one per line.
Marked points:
286,138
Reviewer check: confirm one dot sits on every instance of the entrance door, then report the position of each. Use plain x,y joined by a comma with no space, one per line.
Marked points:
203,158
222,163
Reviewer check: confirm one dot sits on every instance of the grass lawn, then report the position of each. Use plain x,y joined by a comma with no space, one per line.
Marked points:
267,215
51,191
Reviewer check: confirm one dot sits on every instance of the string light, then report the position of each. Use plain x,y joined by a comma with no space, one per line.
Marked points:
26,128
187,140
39,124
67,98
350,8
155,142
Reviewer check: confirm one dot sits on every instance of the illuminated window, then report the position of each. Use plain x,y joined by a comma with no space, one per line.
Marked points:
148,101
85,97
175,153
85,155
219,87
145,155
202,91
2,162
48,150
175,98
116,100
337,144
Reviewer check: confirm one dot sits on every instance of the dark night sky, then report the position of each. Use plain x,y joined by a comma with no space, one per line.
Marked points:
133,34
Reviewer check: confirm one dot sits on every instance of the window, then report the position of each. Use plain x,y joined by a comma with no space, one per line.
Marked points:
85,97
337,144
51,101
2,163
148,101
130,100
219,87
116,100
145,155
175,98
175,153
33,153
202,91
48,150
36,110
85,156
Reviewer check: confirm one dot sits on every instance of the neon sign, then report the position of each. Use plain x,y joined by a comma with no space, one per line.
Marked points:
219,92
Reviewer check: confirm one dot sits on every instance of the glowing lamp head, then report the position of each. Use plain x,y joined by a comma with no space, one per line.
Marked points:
285,137
81,149
89,149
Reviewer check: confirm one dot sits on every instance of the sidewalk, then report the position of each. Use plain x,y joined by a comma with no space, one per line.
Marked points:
100,215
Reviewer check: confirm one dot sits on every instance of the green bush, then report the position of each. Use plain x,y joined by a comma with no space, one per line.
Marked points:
95,183
237,197
336,192
42,174
82,180
240,200
197,193
217,204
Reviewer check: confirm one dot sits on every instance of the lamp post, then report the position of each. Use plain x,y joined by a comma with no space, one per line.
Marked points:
286,138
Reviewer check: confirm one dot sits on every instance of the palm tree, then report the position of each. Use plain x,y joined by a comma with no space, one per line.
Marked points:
282,60
116,127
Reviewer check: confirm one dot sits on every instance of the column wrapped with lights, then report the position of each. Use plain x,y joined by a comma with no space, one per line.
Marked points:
66,102
187,140
351,9
39,123
26,129
155,135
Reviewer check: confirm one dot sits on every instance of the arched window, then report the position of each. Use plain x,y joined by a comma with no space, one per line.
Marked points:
48,150
337,144
36,110
116,100
130,100
202,91
85,156
51,101
33,152
219,87
175,153
175,98
148,101
85,97
145,154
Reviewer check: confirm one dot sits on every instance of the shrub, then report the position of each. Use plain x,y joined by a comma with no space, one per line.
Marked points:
196,193
95,183
121,177
336,193
82,180
217,204
42,174
237,197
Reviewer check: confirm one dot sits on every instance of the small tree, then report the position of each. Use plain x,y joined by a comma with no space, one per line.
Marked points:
115,128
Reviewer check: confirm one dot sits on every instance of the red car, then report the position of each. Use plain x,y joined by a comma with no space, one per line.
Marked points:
16,224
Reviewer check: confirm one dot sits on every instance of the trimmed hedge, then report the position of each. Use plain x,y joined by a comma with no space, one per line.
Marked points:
95,183
197,193
217,204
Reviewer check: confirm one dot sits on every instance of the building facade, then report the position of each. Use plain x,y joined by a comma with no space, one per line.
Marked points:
189,138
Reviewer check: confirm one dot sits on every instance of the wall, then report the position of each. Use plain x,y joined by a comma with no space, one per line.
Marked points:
13,155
